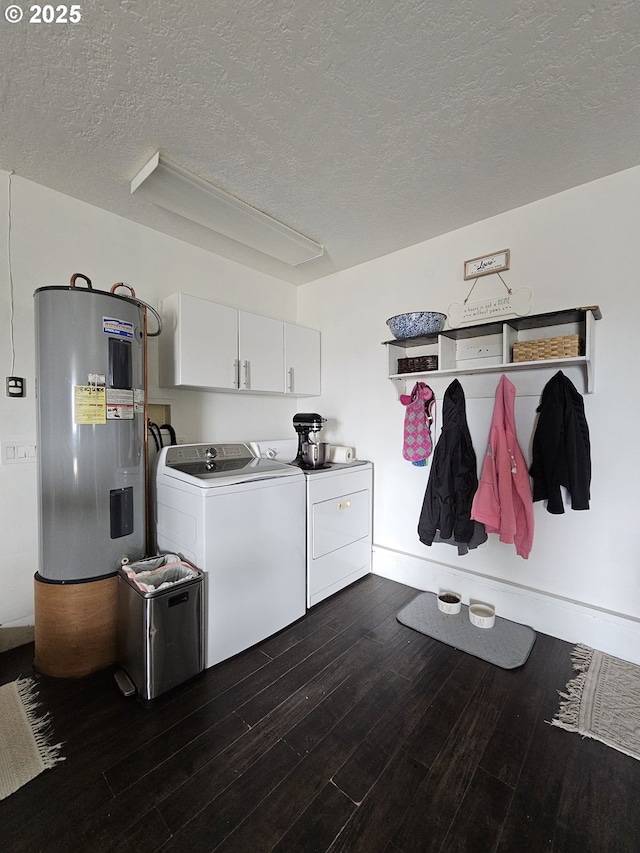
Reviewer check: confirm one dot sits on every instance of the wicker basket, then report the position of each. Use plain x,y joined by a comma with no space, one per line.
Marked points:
568,346
418,364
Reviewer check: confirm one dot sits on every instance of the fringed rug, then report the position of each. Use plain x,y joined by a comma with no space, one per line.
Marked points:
25,750
603,700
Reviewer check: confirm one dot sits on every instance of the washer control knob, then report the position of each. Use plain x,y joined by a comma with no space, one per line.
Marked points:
212,452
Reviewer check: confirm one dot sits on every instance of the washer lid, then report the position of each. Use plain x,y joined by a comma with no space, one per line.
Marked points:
218,464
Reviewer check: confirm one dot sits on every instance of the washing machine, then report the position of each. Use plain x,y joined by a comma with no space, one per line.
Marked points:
338,519
240,519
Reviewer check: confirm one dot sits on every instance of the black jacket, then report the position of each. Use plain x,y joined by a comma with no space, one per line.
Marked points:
561,449
453,479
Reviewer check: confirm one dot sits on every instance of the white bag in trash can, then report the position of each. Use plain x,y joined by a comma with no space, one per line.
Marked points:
156,573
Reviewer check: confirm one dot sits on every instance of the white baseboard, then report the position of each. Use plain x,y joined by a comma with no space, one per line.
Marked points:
23,621
574,621
11,638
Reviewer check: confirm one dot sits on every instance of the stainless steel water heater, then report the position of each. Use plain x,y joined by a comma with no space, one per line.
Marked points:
91,431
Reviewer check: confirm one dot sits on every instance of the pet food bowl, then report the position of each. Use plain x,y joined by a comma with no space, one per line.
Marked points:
416,323
482,615
449,602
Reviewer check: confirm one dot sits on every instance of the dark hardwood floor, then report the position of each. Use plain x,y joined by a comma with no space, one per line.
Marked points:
345,732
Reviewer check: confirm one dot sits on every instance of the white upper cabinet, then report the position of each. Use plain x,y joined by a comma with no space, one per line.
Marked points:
261,353
209,346
302,360
198,343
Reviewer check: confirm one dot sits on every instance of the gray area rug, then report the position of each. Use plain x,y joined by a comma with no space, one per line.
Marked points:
603,701
507,644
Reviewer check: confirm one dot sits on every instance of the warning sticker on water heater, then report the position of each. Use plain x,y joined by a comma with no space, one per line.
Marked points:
117,328
119,404
89,404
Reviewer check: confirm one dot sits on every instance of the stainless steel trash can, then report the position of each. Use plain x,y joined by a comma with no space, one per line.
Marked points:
160,623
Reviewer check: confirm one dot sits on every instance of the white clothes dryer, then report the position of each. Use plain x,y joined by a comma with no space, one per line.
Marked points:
338,511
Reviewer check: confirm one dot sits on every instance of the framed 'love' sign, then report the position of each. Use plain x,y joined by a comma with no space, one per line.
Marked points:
486,264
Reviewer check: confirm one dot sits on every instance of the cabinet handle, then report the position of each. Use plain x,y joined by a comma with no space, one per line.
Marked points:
247,375
290,379
235,379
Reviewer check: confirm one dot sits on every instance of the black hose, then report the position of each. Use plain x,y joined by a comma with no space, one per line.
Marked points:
154,430
171,431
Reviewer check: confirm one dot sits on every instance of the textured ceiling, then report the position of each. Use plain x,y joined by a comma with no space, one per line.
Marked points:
368,126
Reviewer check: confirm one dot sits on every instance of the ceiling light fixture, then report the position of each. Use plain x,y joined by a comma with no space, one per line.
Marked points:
174,188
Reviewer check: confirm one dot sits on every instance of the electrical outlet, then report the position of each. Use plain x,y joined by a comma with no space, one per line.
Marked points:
15,386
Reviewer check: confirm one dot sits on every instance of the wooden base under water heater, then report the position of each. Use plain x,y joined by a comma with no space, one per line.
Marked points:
75,626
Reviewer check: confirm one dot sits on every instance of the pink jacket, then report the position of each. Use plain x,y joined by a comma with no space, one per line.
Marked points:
503,501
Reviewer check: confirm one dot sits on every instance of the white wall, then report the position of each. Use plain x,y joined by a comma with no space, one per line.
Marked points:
582,580
53,236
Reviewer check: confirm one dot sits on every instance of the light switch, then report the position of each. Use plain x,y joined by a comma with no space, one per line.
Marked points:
15,452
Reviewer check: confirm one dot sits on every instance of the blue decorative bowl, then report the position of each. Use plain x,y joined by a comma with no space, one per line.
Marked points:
416,323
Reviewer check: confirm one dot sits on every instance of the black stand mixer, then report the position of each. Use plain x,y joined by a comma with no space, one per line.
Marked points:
312,453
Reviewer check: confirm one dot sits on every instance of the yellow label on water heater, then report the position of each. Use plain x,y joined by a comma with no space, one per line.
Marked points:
89,404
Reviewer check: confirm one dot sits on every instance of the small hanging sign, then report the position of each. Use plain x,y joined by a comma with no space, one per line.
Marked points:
516,302
487,264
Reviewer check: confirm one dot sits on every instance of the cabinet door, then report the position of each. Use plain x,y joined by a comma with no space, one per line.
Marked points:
261,349
200,346
302,360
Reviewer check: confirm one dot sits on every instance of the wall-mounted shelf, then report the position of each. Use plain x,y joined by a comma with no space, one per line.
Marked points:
488,347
